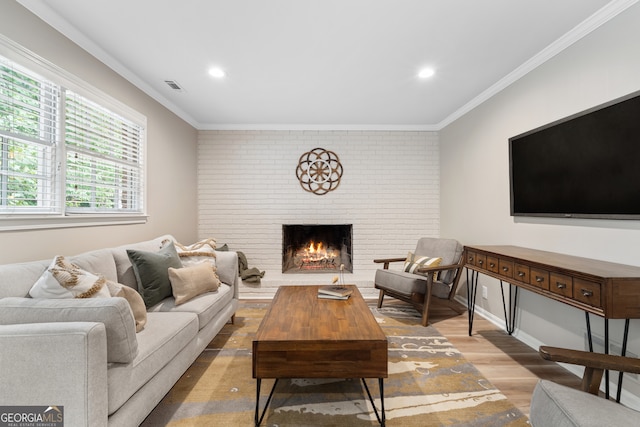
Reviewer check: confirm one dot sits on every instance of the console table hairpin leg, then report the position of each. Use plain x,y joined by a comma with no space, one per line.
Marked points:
472,291
623,351
472,288
510,316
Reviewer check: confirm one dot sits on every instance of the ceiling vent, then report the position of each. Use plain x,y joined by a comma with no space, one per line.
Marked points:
173,85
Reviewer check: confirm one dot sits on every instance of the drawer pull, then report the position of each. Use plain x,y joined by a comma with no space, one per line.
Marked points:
492,265
480,262
561,285
539,279
586,293
470,259
520,273
505,269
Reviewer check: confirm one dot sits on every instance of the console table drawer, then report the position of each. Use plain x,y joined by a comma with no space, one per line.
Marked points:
493,265
561,284
587,292
481,261
471,258
521,272
506,268
539,278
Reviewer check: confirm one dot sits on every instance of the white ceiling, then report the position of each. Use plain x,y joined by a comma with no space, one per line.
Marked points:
334,64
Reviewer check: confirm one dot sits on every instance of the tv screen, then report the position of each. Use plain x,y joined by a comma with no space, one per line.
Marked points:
584,166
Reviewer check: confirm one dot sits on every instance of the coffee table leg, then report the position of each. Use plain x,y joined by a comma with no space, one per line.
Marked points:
380,416
258,418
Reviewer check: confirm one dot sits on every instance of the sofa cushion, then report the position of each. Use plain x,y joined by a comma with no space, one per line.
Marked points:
99,262
152,272
114,313
17,279
164,337
124,269
205,306
560,406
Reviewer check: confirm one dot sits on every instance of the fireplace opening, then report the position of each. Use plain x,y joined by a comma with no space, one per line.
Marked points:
319,248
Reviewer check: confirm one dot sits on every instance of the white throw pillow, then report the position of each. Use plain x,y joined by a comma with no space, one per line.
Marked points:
63,279
204,250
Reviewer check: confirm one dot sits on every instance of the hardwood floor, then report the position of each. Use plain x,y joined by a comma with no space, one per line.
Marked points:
510,365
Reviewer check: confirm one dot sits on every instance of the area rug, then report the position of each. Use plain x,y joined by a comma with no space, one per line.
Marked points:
429,384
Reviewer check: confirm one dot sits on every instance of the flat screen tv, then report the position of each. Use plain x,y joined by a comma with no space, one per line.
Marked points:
583,166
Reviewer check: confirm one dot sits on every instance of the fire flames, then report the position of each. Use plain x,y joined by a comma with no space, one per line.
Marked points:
316,256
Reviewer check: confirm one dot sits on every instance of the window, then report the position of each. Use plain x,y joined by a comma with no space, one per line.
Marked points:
65,152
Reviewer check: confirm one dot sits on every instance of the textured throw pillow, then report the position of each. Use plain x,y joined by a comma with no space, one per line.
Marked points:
204,250
189,282
413,263
135,302
152,272
64,279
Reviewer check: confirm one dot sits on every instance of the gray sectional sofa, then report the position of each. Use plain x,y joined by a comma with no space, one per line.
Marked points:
85,354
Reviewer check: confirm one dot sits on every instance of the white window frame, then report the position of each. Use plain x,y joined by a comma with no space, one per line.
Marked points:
64,218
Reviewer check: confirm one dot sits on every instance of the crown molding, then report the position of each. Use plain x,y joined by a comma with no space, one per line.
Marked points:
586,27
606,13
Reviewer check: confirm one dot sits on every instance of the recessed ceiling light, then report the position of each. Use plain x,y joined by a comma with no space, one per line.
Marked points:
425,73
216,72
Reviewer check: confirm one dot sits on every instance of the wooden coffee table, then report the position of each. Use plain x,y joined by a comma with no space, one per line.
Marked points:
303,336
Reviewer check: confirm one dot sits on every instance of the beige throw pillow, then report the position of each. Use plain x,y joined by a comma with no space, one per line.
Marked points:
135,302
189,282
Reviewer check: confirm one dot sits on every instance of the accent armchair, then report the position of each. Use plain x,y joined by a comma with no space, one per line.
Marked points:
555,405
439,281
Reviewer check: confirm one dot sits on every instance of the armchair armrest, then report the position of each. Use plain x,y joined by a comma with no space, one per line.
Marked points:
438,268
386,261
595,364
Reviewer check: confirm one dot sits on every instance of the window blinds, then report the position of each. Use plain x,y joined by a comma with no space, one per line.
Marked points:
104,169
28,130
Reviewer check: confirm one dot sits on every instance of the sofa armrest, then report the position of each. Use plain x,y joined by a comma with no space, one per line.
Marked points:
56,364
227,269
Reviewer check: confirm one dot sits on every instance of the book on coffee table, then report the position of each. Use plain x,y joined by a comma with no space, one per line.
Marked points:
327,296
334,291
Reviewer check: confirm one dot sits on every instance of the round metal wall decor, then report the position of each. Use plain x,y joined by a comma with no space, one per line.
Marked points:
319,171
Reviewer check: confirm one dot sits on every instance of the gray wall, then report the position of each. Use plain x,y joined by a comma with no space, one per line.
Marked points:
171,152
475,176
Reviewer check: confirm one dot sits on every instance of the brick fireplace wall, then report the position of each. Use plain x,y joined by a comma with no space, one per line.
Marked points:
247,188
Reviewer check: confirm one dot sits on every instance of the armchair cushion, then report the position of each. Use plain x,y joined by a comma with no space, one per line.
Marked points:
407,284
449,250
560,406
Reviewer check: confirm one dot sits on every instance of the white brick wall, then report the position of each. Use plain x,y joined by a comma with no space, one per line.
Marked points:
247,188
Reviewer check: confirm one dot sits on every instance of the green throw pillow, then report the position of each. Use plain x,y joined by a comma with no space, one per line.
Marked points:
152,272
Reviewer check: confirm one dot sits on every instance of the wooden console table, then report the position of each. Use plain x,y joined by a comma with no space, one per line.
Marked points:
605,289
